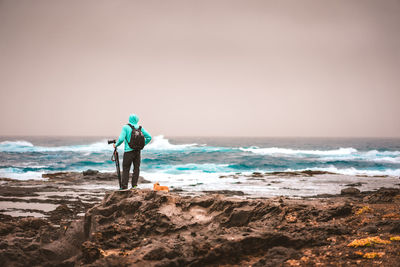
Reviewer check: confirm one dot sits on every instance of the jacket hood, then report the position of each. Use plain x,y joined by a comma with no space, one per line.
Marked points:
133,119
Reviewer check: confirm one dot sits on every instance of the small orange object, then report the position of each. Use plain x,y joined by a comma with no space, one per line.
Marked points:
158,187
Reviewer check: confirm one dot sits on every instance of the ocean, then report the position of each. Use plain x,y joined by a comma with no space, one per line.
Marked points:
212,163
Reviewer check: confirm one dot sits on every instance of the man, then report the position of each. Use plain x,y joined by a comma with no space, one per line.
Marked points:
132,154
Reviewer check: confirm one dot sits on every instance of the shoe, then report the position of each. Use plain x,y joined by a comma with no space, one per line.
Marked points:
134,187
123,188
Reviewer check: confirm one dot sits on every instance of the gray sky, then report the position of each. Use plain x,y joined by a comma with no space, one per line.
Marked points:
203,68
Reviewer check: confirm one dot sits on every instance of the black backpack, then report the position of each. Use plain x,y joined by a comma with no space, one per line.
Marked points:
137,139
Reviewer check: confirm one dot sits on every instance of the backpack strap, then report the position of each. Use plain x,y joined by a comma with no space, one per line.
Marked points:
133,127
140,128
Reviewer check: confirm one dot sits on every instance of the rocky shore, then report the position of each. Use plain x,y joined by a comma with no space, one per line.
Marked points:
141,227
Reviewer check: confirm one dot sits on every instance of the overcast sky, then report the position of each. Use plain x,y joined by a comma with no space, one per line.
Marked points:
200,68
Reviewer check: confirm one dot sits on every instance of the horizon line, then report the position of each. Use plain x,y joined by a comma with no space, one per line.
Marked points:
211,136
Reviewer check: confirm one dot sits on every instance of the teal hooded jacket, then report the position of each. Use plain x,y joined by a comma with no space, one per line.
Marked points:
127,132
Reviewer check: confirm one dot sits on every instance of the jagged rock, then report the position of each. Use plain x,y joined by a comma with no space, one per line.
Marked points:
62,211
257,174
90,172
225,192
31,222
383,195
157,253
149,228
239,218
350,191
55,175
343,210
5,228
355,184
372,229
395,228
90,252
277,256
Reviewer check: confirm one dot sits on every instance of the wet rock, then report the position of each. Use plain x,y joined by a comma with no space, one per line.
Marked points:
68,262
350,191
157,253
383,195
147,228
336,230
90,172
3,244
299,173
335,212
55,175
277,256
30,222
225,192
90,252
176,189
395,228
5,228
61,212
238,218
355,184
342,210
257,174
68,244
315,172
13,191
112,261
372,229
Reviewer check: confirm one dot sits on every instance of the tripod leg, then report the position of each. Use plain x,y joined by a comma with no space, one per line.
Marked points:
118,168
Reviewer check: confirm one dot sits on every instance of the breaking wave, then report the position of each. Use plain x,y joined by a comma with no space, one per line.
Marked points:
288,151
158,143
25,146
22,159
161,143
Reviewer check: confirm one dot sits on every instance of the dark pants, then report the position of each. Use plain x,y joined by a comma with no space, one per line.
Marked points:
129,158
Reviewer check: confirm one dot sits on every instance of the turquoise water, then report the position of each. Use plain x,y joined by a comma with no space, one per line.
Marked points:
29,157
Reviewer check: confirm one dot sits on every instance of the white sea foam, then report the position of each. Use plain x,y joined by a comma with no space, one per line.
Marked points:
158,143
15,173
288,151
195,168
372,156
341,154
16,143
161,143
386,160
24,146
382,153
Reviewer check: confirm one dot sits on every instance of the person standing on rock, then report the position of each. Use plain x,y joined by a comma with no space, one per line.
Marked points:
135,138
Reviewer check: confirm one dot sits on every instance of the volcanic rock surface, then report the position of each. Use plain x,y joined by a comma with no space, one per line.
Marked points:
147,228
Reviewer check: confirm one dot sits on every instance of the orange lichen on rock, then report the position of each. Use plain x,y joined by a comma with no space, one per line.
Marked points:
291,218
364,209
373,255
369,241
395,238
293,262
